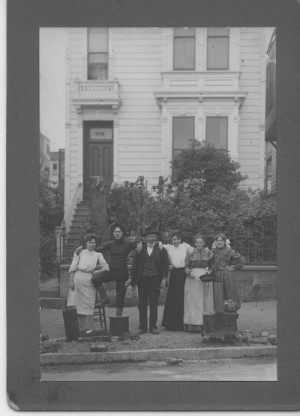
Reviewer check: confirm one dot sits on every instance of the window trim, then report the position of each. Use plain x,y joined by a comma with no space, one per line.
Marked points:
184,37
207,51
194,131
97,53
227,135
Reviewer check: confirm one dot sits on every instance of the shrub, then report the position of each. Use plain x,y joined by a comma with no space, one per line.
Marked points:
133,206
50,215
204,162
205,197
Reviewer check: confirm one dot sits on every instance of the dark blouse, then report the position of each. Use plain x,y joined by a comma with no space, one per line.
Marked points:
118,251
199,258
226,256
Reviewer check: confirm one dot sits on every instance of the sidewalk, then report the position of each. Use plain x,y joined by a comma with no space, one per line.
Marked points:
253,317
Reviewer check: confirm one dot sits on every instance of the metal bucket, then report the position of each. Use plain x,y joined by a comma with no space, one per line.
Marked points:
118,324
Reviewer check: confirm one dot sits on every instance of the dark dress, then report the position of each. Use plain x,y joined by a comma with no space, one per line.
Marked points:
223,257
118,270
174,305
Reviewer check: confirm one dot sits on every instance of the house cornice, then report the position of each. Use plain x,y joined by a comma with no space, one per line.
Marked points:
81,104
164,97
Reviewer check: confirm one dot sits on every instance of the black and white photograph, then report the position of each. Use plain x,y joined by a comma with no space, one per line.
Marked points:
158,248
152,194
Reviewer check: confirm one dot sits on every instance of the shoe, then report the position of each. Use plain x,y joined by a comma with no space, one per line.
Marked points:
90,333
82,333
142,331
154,331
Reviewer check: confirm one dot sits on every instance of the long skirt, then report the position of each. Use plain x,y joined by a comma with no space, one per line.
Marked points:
230,291
198,298
85,293
173,311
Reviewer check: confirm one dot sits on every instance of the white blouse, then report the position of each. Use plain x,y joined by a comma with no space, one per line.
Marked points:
178,255
87,261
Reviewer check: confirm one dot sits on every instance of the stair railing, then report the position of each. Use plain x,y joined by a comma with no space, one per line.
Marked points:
75,198
64,229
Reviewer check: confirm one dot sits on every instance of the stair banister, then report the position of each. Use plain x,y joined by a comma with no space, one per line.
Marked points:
75,198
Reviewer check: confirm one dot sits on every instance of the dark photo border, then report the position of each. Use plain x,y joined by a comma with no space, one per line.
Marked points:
25,18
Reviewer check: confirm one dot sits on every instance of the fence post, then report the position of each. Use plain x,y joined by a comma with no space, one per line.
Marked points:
60,233
63,238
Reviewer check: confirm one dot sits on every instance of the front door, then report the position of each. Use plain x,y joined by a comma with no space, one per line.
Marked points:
98,152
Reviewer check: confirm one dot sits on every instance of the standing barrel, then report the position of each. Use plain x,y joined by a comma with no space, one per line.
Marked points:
119,324
71,323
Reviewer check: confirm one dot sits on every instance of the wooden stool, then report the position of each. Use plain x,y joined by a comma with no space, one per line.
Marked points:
102,316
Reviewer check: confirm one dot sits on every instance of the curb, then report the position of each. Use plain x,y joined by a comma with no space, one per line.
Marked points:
187,354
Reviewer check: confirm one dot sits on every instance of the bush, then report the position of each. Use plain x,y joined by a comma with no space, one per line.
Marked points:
51,215
134,207
205,197
213,167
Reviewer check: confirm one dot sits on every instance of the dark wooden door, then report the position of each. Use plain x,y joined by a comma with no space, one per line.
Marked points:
98,153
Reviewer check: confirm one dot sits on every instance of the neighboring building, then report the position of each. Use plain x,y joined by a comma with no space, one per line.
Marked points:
61,172
54,169
44,157
135,96
271,127
57,171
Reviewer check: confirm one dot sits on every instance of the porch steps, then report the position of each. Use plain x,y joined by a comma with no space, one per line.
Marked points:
77,229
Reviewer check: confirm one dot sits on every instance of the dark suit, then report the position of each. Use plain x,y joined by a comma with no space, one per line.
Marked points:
147,273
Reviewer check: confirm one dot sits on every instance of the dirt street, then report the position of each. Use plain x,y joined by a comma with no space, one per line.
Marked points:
251,369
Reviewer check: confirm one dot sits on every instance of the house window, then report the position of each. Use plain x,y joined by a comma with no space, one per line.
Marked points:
98,53
183,133
217,48
54,166
269,175
217,132
184,49
270,86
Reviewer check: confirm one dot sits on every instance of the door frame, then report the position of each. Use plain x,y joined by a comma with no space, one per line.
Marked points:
87,124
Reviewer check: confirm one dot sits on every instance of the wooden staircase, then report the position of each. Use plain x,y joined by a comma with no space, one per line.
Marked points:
77,229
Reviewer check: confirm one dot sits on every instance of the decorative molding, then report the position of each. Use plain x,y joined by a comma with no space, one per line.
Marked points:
164,97
100,94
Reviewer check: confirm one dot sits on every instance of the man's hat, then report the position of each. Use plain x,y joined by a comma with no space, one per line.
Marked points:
149,231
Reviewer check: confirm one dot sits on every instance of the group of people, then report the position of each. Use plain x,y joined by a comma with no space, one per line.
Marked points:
177,266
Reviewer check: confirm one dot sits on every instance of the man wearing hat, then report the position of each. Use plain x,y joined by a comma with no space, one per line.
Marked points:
118,249
150,267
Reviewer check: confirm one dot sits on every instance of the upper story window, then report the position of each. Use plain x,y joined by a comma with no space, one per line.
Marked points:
269,175
217,132
54,166
183,132
184,49
98,53
217,48
270,86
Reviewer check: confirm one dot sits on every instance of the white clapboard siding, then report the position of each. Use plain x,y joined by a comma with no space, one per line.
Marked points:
137,58
250,146
138,66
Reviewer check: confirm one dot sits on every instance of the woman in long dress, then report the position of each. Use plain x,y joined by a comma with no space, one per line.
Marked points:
198,295
224,262
173,310
83,264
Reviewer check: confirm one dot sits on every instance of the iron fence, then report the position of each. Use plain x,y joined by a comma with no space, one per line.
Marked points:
257,251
